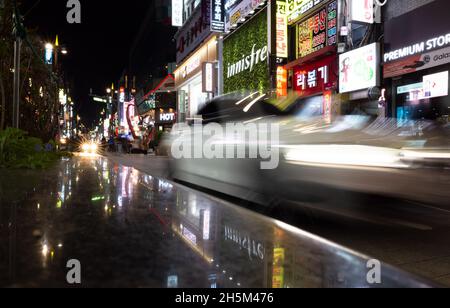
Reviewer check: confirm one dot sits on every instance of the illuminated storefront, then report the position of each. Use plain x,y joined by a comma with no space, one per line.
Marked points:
196,80
417,63
158,107
313,61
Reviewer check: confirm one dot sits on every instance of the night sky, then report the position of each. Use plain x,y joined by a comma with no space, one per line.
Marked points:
98,47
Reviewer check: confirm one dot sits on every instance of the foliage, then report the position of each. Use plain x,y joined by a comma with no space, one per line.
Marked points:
18,150
39,104
240,44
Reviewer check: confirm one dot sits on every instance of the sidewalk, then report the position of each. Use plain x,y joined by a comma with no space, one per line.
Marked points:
151,164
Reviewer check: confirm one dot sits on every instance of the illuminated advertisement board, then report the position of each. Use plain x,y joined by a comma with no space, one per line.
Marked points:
359,69
238,11
282,30
316,77
282,81
177,13
435,85
362,11
318,31
217,15
300,8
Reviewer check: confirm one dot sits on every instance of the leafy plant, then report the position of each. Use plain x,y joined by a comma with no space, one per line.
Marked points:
239,45
18,150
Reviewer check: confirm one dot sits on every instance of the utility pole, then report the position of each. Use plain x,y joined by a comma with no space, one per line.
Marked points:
18,33
16,93
272,42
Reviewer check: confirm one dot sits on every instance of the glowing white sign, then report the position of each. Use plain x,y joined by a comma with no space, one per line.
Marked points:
166,117
359,69
435,85
362,11
177,13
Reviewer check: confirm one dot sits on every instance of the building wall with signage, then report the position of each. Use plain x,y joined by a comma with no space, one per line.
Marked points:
416,59
313,59
193,86
194,31
317,31
395,8
245,56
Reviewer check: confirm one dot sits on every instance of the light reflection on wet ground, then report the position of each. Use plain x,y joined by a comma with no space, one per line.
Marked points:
130,229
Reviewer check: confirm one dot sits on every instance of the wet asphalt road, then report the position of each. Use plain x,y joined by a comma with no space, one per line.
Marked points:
132,229
412,236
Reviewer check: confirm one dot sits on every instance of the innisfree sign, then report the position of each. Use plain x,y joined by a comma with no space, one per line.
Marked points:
248,61
246,56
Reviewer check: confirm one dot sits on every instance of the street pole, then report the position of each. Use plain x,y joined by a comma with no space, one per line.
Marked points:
16,92
272,42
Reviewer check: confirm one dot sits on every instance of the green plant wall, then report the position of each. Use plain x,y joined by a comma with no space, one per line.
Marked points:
240,43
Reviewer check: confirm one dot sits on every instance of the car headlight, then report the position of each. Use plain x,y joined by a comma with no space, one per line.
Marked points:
86,147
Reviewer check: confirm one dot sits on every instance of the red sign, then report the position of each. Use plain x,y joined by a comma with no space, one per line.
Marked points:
317,77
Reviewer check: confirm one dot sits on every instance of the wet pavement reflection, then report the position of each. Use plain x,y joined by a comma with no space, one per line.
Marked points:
129,229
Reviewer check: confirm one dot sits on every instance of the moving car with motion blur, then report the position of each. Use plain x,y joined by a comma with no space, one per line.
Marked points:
356,154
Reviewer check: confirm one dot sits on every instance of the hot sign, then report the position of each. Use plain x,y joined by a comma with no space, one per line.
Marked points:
315,78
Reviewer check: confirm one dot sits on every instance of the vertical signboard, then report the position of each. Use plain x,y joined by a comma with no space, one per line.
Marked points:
282,79
177,13
327,106
209,77
217,16
282,30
